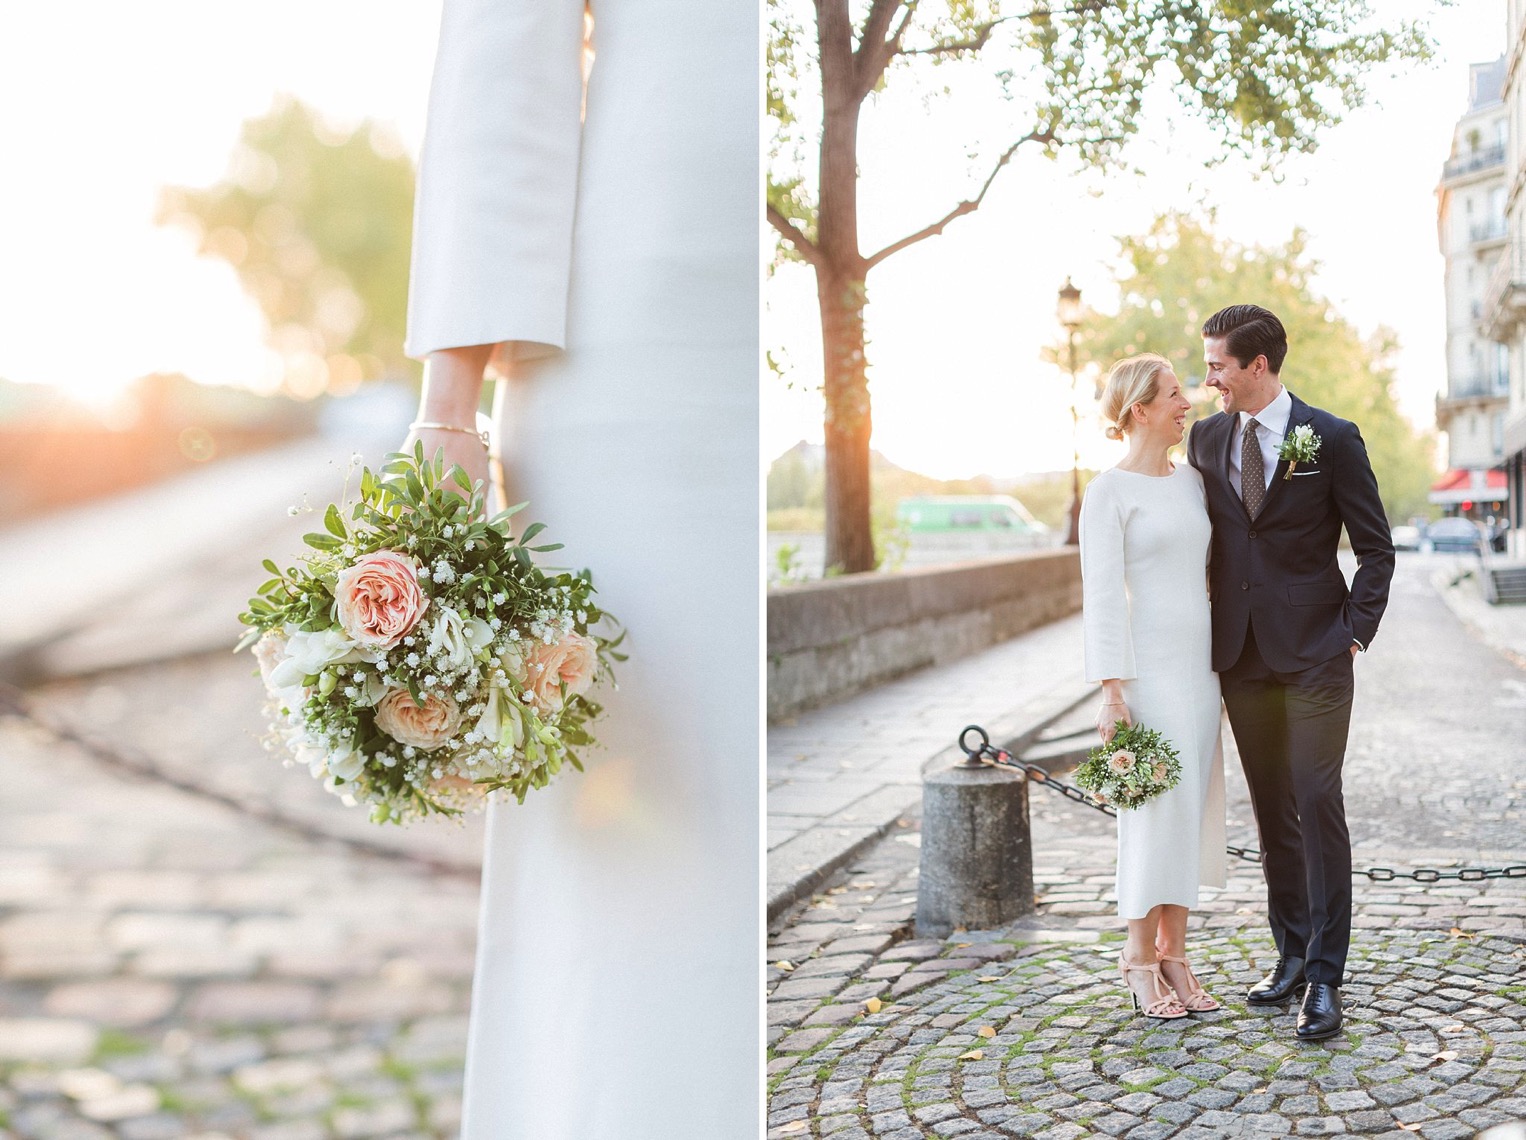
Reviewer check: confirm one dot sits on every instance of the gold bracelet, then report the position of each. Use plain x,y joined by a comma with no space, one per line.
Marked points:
430,425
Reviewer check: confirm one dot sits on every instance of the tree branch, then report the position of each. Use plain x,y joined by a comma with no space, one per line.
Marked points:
875,48
982,32
796,237
969,206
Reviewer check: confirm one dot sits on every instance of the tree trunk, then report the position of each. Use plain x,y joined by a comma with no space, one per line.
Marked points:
840,294
850,544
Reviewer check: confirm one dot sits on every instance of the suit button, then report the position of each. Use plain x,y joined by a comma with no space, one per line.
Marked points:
1245,585
1253,534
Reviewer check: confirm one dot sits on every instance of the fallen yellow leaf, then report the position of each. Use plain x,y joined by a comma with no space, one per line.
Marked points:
874,1005
972,1055
794,1126
986,1031
1459,932
784,964
988,978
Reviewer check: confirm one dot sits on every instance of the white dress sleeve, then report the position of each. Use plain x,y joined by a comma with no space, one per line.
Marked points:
497,181
1104,593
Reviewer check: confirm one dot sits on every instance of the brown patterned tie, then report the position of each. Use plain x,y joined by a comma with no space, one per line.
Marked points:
1252,470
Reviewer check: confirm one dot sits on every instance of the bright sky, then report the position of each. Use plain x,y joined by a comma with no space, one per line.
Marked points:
956,324
101,103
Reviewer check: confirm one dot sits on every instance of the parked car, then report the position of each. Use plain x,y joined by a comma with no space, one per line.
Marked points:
1458,536
1406,537
967,513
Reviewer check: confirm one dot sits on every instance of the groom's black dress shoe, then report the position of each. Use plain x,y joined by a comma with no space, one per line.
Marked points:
1278,986
1320,1015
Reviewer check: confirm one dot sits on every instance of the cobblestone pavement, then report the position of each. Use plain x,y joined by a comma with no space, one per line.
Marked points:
1026,1030
172,968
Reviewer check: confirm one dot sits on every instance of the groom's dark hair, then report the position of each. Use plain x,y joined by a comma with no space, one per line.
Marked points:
1250,331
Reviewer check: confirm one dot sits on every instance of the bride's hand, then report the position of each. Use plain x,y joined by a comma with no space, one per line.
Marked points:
448,400
460,447
1108,717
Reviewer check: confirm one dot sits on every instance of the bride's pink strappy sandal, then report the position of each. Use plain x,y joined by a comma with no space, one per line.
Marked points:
1165,1007
1196,998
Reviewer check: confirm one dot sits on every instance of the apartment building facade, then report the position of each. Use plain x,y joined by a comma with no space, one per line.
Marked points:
1473,230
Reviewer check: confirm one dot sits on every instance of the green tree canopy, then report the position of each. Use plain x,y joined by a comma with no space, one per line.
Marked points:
317,222
1266,77
1181,272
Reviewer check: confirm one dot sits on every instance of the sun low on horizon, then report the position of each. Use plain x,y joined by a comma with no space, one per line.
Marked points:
101,110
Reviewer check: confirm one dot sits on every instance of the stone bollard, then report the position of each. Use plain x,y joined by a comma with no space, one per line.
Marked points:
977,851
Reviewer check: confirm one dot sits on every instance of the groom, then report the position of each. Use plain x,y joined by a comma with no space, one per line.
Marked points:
1285,633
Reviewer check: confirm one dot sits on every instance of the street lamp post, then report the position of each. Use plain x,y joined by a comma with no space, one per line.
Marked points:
1070,317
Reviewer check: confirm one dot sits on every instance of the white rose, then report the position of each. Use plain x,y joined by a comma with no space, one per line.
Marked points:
309,653
313,756
346,763
479,634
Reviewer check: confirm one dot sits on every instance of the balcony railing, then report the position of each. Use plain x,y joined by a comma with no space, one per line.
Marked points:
1492,230
1505,297
1473,161
1478,387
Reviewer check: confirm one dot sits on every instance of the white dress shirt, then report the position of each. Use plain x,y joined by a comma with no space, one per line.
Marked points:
1272,422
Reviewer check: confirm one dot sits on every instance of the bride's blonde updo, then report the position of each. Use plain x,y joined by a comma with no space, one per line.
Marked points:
1134,380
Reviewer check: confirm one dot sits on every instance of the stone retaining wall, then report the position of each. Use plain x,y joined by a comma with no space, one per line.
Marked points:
830,639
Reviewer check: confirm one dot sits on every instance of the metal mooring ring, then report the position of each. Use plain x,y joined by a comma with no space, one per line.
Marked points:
972,755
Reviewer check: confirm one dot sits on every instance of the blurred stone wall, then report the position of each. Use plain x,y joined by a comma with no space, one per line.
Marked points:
830,639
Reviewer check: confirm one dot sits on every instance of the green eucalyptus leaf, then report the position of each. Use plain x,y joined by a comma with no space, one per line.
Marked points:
334,523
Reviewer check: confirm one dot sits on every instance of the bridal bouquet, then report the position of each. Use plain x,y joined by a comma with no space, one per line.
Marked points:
1133,768
417,658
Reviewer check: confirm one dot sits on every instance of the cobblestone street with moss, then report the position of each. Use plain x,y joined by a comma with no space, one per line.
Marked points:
1025,1030
173,968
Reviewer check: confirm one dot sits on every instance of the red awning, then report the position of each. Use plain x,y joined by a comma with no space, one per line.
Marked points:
1462,484
1461,478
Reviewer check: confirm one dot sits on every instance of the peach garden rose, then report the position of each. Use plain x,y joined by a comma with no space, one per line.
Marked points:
571,661
1122,761
378,599
428,725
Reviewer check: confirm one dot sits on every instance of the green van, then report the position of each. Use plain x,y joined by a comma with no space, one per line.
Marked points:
967,514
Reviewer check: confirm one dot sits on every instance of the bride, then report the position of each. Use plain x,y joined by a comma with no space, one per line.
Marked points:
1144,553
586,220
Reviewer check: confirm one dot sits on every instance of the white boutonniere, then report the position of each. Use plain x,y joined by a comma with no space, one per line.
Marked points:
1301,446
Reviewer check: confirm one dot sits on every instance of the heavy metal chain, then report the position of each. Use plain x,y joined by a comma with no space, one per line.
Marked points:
987,753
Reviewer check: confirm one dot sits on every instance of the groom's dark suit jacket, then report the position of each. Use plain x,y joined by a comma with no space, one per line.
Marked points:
1278,574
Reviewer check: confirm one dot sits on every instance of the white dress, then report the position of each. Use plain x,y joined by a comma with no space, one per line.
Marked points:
615,259
1144,556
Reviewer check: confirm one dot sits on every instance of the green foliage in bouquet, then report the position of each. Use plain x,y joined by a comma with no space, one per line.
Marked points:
1137,765
418,657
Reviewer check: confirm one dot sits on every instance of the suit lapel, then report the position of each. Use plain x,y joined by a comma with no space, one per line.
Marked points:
1225,450
1301,414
